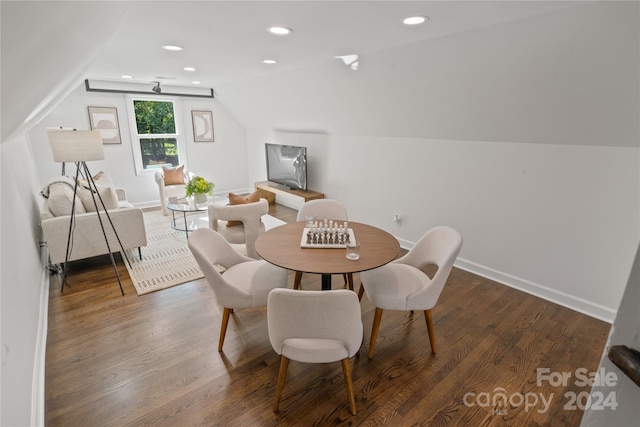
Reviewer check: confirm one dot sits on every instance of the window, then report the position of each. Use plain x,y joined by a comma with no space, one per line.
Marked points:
155,133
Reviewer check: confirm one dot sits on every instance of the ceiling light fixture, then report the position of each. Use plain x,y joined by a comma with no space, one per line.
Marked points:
126,77
351,61
189,69
415,20
148,87
172,47
281,31
196,82
269,61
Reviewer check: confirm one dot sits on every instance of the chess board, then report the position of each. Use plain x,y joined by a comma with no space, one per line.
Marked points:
324,242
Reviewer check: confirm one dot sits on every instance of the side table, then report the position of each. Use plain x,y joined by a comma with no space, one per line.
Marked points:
186,205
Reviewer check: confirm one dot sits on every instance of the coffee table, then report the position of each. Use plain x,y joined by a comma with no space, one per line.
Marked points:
281,246
186,205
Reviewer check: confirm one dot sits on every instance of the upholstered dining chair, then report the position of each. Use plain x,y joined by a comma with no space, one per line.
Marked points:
404,284
314,327
171,183
249,215
246,282
319,209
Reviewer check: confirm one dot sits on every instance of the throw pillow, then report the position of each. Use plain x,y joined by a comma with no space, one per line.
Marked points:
107,193
173,176
234,199
84,183
106,189
61,199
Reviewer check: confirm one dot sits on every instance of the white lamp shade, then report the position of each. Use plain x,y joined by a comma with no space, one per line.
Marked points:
76,145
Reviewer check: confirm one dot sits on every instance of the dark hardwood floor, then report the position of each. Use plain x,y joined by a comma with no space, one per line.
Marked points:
153,359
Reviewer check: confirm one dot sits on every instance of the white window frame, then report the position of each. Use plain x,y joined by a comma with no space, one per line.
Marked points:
135,137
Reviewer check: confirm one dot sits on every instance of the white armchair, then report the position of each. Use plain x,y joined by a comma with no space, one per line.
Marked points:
170,184
249,214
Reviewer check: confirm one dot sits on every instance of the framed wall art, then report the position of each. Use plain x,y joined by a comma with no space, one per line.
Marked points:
105,120
202,126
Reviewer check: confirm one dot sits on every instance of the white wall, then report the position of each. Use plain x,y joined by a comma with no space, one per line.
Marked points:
558,221
38,67
21,282
223,161
523,135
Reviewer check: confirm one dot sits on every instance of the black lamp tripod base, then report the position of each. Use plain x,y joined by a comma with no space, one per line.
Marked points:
94,192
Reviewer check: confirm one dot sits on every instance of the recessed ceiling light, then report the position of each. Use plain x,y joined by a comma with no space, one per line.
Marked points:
415,20
281,31
270,61
172,47
189,69
196,83
126,77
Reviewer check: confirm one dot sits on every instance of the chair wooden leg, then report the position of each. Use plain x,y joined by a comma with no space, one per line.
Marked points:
296,281
374,331
223,327
432,335
348,280
284,363
360,292
346,369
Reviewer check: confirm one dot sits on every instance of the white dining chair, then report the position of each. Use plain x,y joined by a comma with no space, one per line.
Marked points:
314,327
246,282
403,284
320,209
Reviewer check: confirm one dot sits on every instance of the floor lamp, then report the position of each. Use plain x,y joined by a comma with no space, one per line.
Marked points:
80,147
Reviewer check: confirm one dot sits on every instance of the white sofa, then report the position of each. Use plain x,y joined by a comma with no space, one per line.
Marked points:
88,239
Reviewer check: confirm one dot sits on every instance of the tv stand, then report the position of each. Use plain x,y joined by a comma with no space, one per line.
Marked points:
269,190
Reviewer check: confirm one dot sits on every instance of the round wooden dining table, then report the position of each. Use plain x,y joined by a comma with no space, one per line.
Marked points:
282,246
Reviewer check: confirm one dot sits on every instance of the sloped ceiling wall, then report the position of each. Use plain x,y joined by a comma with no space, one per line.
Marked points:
565,77
45,55
478,85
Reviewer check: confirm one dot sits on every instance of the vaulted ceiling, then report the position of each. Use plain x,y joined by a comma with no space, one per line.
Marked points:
227,41
453,77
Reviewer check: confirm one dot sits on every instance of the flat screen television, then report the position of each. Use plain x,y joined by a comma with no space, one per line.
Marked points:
287,165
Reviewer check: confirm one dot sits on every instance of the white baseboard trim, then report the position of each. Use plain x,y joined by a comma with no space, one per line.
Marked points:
37,386
145,205
292,202
574,303
405,244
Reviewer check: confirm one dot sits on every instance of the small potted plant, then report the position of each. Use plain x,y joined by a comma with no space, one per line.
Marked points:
199,188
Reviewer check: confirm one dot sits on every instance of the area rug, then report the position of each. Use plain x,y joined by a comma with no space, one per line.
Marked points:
166,260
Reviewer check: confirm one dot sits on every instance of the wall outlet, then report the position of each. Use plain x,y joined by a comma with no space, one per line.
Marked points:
396,219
